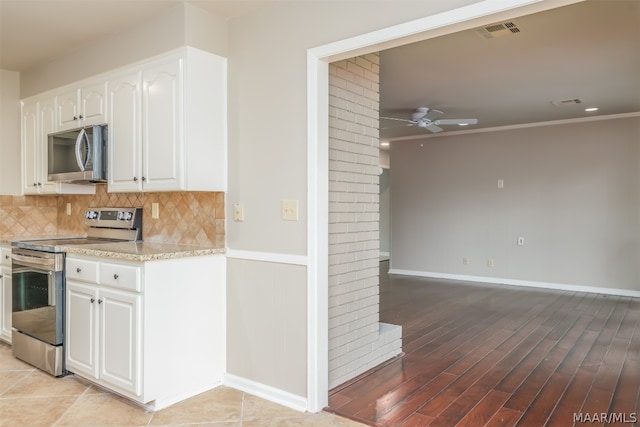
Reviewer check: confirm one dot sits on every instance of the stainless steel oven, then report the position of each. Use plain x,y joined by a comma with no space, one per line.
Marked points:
39,285
38,308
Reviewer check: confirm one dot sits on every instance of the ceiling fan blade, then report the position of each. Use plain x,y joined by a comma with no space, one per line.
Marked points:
419,113
397,126
456,122
400,120
433,128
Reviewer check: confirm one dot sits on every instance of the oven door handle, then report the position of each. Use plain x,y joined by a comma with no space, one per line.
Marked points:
33,261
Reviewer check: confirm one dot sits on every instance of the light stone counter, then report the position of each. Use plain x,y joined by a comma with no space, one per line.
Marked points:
142,251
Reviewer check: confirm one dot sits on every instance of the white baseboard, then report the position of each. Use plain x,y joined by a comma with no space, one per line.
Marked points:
281,397
515,282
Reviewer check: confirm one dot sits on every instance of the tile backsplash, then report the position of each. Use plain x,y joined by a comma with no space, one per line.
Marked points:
184,217
28,215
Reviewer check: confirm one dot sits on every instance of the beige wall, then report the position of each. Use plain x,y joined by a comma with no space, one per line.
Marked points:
268,144
9,132
571,190
177,26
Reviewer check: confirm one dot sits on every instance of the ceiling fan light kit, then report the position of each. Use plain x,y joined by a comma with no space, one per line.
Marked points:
427,118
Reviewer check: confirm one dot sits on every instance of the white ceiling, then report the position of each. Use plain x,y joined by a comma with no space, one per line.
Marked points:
589,51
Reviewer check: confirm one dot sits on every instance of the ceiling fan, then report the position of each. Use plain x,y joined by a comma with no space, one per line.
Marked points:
427,118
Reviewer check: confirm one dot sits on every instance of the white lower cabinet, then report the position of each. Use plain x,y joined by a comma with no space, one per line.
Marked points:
103,335
5,294
151,331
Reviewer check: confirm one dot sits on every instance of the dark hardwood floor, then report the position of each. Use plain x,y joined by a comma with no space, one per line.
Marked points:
479,354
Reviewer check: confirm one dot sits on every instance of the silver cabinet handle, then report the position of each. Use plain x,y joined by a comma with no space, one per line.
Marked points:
115,276
78,270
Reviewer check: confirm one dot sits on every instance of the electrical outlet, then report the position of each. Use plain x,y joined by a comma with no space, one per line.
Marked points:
501,183
68,208
290,210
238,212
490,262
465,261
155,210
520,241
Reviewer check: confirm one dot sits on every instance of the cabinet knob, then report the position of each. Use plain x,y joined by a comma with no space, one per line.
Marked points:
93,300
135,179
115,276
1,276
78,270
75,118
144,179
80,117
39,184
35,185
6,257
100,301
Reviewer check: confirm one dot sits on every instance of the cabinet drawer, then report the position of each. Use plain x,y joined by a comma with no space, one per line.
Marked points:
120,276
78,269
5,256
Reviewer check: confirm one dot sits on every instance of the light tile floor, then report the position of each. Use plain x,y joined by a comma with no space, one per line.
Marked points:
32,398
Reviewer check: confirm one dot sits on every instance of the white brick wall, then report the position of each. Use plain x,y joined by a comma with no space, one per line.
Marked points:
357,341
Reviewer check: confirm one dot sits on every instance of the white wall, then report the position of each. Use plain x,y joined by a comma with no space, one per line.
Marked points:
571,190
9,133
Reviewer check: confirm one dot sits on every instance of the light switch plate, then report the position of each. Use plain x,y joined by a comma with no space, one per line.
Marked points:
238,212
68,208
155,210
290,210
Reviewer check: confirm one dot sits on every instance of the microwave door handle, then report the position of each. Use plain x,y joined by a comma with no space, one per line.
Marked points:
82,138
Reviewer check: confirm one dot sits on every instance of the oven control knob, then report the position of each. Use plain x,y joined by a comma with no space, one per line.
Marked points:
91,215
126,216
120,215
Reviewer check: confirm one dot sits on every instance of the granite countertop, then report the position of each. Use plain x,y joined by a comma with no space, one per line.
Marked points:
142,251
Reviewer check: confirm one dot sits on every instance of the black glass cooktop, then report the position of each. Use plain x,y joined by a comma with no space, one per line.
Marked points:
55,245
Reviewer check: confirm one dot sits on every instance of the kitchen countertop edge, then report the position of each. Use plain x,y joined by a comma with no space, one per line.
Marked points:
142,251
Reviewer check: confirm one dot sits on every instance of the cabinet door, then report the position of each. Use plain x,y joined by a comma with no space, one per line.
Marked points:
5,303
81,329
120,339
162,120
125,149
47,115
30,148
93,104
68,110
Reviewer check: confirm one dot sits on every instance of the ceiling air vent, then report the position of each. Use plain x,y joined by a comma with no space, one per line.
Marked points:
498,30
563,102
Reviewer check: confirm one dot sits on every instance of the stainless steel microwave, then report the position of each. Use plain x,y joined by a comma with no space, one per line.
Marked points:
78,156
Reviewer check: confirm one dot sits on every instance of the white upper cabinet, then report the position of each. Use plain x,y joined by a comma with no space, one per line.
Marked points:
125,136
39,119
82,106
168,126
166,120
